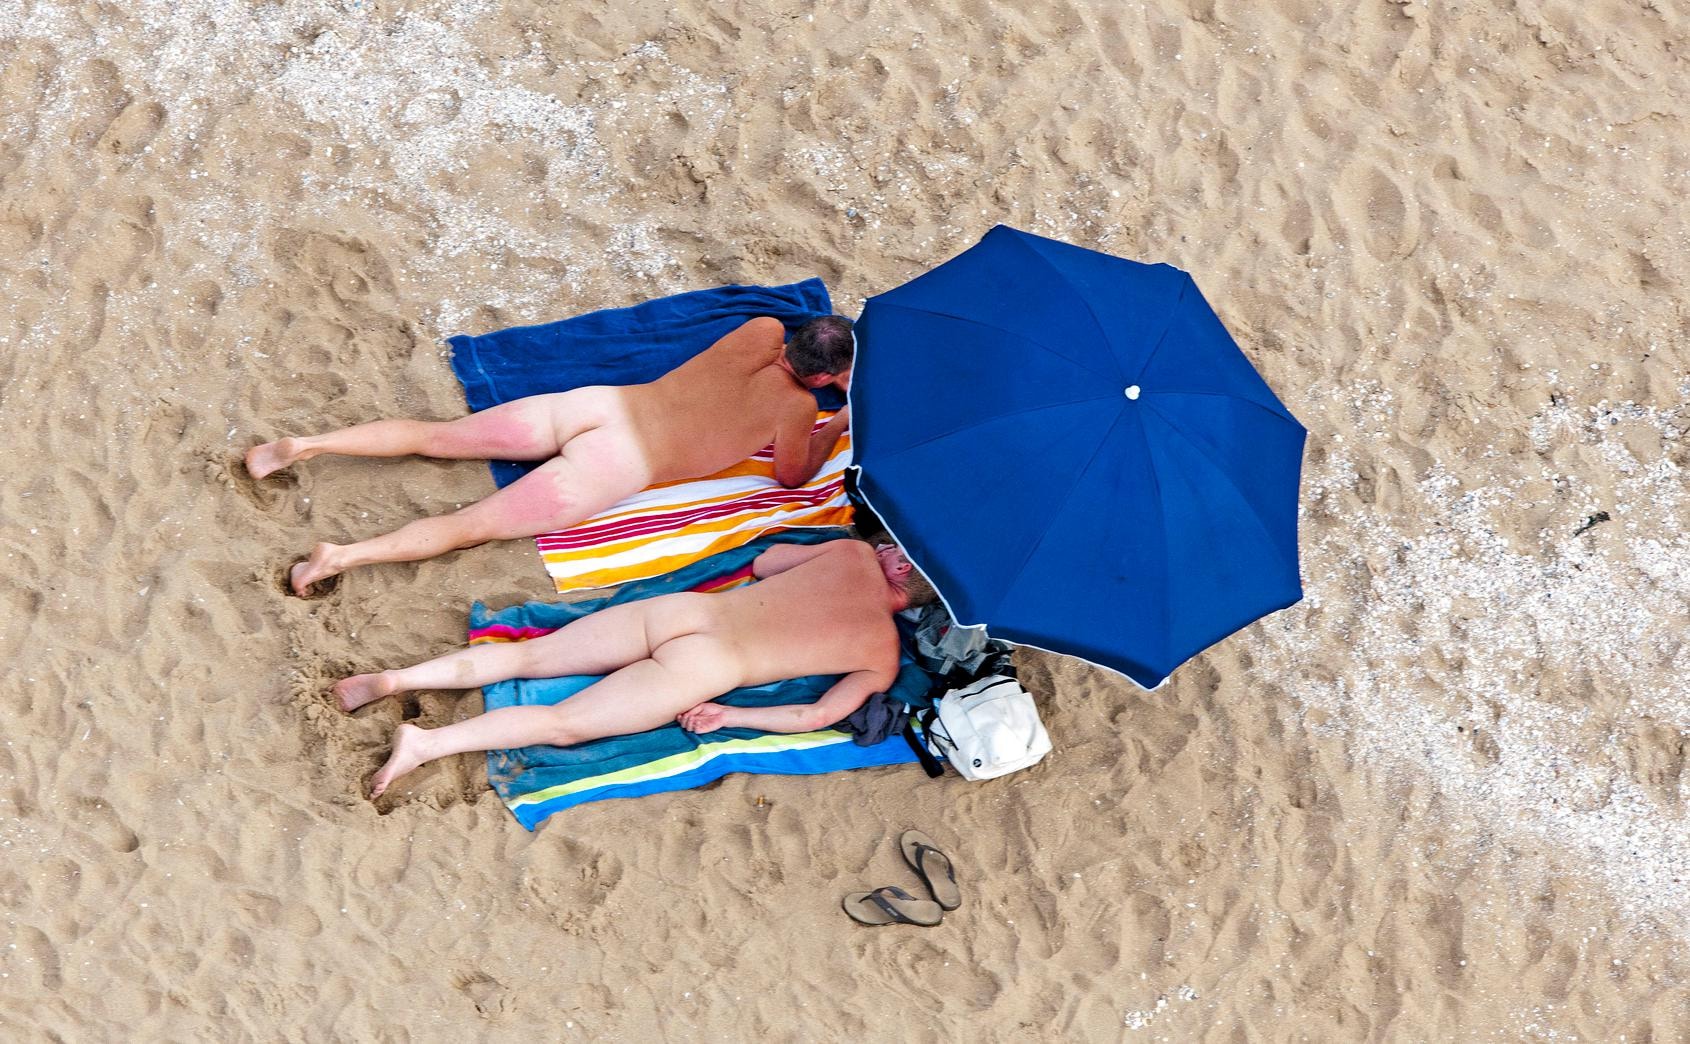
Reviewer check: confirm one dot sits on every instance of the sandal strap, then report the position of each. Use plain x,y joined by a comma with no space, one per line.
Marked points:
878,898
921,851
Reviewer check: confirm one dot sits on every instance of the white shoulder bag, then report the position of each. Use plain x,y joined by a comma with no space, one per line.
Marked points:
989,728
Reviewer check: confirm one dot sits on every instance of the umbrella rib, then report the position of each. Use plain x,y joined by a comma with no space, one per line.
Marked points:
1101,332
1079,475
1160,341
1163,604
1025,340
988,420
1261,522
1281,413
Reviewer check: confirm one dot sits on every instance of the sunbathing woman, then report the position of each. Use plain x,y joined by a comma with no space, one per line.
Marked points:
601,444
817,609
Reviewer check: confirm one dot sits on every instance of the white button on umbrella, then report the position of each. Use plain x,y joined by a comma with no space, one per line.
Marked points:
1132,391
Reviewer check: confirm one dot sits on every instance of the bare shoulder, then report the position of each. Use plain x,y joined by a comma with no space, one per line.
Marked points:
856,550
746,348
763,333
764,327
864,564
845,560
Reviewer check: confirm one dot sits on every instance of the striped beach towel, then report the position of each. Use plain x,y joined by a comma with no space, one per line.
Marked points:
668,526
535,782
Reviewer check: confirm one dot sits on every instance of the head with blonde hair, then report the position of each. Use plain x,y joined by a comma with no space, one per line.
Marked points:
903,575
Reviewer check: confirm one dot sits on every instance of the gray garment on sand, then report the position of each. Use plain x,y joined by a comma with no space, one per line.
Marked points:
879,717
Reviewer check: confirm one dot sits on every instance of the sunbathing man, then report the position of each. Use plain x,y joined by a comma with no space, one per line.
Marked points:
817,609
603,443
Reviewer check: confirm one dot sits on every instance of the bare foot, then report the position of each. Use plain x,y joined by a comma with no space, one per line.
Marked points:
354,692
308,571
409,743
271,457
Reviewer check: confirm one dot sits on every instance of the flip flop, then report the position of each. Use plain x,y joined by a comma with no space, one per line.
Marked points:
891,905
921,854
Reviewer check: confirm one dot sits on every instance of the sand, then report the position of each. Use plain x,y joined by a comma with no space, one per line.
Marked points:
1442,798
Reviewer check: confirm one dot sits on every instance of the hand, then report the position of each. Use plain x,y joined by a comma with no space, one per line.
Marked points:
706,717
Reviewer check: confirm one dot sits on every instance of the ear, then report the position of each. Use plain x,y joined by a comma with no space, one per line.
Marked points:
820,380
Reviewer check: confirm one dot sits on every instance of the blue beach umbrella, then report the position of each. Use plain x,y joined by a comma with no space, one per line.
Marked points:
1072,448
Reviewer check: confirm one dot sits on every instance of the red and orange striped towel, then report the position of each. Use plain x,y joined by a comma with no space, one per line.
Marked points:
666,527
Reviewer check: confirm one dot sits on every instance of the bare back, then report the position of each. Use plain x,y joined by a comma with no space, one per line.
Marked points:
829,615
718,407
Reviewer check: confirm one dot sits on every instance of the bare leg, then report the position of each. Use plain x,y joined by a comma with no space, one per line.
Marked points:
532,428
599,643
596,469
681,673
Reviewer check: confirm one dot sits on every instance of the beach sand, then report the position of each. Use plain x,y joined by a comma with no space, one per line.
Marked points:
1441,799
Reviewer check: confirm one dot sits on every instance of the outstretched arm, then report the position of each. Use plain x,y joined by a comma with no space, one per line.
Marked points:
849,693
799,454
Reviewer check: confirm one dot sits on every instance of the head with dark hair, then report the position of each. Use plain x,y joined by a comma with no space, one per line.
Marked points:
822,348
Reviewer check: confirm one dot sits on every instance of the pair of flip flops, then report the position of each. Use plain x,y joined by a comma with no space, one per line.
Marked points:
893,905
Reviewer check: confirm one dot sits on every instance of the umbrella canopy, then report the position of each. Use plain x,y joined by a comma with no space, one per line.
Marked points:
1073,450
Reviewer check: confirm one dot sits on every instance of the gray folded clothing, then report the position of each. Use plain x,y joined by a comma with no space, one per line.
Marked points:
879,717
940,646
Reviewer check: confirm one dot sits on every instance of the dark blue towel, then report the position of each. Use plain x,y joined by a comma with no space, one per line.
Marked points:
621,345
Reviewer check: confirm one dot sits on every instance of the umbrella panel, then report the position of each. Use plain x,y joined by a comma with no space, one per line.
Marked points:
953,374
1152,558
1040,290
1242,446
981,497
1198,356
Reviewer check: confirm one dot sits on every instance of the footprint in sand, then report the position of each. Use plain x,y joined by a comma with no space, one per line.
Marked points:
32,951
573,883
100,822
490,996
133,129
258,910
1372,206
